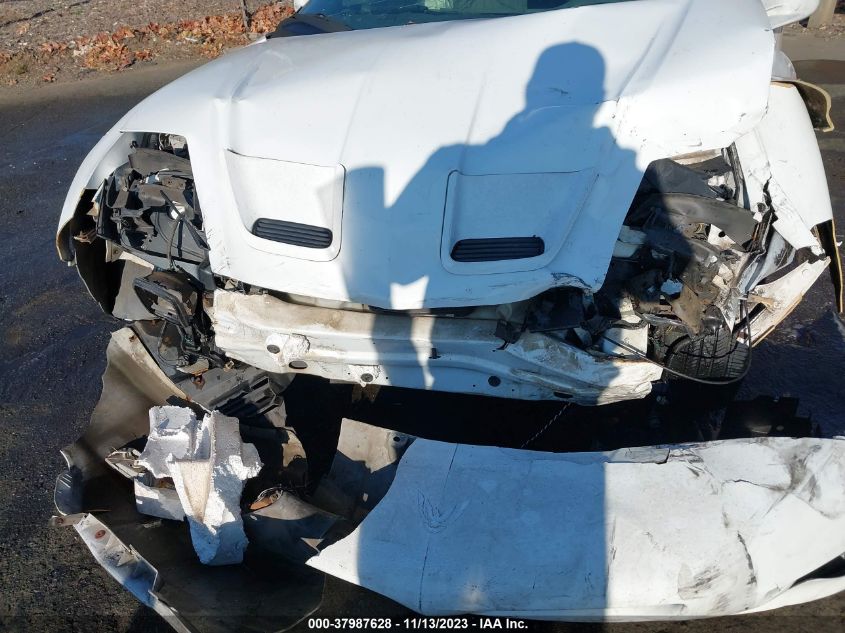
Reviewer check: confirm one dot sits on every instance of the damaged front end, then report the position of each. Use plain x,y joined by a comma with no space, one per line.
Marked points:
711,256
626,222
666,532
570,221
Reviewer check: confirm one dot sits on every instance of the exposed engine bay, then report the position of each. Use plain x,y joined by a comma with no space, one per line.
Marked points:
685,247
680,284
678,297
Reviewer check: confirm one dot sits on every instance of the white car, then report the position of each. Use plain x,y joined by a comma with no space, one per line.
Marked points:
542,200
565,204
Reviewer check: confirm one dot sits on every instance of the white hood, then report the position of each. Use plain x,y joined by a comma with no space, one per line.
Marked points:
404,140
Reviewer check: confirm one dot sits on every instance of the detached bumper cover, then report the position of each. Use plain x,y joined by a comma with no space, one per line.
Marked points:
669,532
648,533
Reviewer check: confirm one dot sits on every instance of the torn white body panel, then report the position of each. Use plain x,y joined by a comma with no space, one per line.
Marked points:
782,295
658,533
781,158
209,464
456,355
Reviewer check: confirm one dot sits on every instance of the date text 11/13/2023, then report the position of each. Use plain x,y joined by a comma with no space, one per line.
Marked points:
419,623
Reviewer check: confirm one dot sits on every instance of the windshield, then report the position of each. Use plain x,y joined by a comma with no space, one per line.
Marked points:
370,14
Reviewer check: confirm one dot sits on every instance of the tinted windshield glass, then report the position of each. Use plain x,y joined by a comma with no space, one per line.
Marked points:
369,14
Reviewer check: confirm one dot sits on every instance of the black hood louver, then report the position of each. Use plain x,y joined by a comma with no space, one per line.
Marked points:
496,249
293,233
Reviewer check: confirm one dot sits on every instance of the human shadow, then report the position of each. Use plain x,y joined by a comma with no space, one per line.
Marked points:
455,562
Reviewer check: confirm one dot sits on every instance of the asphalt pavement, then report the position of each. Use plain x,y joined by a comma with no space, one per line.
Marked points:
53,339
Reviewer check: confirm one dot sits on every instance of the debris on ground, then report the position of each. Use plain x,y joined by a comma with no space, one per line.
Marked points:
154,497
208,463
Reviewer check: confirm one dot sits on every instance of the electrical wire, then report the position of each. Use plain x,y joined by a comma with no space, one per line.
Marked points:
674,372
554,419
176,224
180,217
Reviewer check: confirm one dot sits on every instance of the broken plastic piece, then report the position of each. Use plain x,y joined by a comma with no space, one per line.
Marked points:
668,532
208,464
155,497
290,527
362,471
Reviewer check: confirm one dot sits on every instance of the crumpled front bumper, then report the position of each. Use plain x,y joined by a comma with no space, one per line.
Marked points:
669,532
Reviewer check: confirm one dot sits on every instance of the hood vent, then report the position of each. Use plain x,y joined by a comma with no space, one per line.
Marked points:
292,233
497,249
